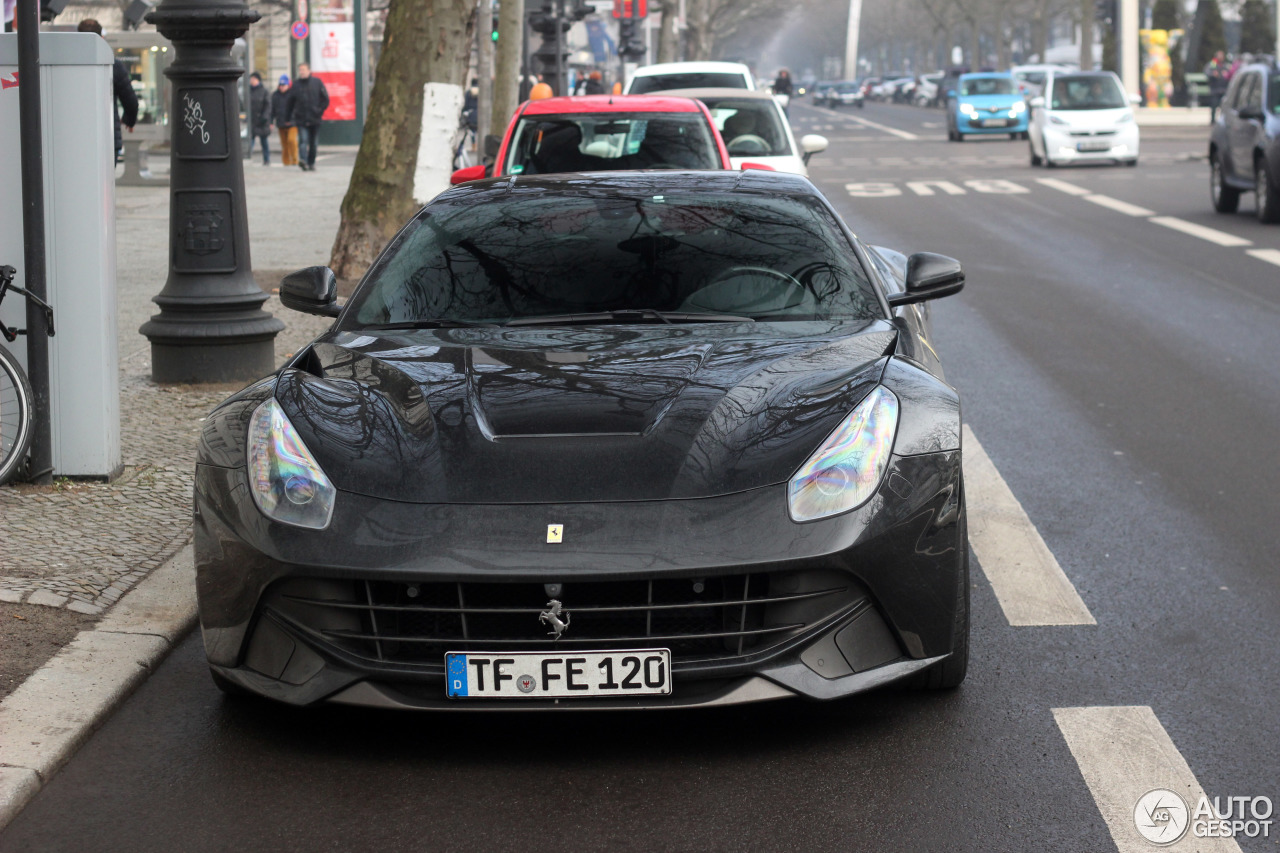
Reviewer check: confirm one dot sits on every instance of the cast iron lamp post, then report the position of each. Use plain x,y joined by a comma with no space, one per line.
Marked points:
211,326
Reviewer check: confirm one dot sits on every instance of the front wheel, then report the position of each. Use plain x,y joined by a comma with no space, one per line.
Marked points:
16,415
950,672
1225,199
1266,193
1036,159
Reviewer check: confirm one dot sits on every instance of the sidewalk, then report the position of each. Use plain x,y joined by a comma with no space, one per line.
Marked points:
1173,117
71,550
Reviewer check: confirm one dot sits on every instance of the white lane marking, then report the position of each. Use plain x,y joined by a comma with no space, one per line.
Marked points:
1119,206
926,187
872,189
1028,582
996,186
1063,186
884,128
1271,256
1124,752
1213,235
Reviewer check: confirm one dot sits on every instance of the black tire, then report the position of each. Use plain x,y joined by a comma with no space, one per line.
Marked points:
1014,136
1265,192
226,685
1036,159
1131,163
16,416
950,672
1226,199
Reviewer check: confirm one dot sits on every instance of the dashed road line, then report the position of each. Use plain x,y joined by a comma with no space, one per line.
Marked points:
1213,235
883,128
1028,582
1271,256
1118,205
1124,753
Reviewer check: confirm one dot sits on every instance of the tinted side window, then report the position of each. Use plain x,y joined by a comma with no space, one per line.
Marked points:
1232,98
1252,95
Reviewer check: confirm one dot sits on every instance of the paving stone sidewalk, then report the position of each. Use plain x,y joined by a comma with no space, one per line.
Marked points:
81,545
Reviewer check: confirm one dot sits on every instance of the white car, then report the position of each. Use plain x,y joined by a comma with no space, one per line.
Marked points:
690,75
755,130
1031,77
1083,116
927,89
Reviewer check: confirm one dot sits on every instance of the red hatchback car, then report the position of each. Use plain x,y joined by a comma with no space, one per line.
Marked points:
597,133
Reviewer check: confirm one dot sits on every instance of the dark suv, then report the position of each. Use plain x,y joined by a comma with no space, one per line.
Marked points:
1244,145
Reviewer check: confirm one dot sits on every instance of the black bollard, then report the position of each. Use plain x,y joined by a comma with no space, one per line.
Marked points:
211,326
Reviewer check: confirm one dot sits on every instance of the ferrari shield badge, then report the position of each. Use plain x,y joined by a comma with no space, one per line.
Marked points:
555,533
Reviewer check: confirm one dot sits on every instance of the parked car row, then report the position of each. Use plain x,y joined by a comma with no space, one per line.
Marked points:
1244,143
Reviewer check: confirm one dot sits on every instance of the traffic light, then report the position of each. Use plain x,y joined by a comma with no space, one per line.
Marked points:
494,31
630,44
50,9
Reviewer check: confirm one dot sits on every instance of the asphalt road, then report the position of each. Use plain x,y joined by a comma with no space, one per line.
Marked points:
1119,371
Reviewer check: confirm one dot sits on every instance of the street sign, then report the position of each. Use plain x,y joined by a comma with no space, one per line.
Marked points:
629,9
300,30
302,10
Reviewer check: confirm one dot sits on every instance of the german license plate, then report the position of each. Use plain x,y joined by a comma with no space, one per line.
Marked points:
1096,145
558,675
995,122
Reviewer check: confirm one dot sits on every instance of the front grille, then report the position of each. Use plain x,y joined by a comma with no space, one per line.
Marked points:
1092,133
716,618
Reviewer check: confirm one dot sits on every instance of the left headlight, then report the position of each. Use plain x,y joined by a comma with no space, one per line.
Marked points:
968,109
286,482
846,470
1018,107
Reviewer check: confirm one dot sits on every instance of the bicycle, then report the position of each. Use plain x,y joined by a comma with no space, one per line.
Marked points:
17,413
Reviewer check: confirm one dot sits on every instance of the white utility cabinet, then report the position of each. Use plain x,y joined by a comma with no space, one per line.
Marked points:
80,238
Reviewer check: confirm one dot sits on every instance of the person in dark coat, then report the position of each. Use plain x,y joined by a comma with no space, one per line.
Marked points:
308,99
782,83
122,90
259,116
280,115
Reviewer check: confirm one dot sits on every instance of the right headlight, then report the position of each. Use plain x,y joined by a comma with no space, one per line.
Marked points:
846,470
284,478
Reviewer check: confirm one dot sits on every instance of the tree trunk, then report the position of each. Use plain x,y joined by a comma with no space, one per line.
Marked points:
425,41
1087,11
668,38
506,75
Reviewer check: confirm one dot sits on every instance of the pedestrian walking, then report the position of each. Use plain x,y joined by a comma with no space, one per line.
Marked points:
308,99
123,95
288,130
259,116
594,84
1216,72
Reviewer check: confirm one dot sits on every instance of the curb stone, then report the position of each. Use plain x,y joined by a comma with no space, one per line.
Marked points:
61,704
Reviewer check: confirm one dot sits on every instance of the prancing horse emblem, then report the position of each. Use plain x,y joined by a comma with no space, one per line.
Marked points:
552,616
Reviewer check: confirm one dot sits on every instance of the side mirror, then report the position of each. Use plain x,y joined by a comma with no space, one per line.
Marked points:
812,143
471,173
951,93
761,166
929,276
1135,99
491,145
1037,102
313,290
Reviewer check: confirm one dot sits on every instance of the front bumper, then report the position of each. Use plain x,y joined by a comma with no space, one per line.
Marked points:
1062,144
973,124
900,557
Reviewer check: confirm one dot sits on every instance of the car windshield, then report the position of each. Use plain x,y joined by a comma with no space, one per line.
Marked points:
643,83
847,87
1092,92
501,254
750,127
986,86
1035,78
598,142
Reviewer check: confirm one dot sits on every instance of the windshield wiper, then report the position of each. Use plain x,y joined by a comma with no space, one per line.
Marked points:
628,316
430,323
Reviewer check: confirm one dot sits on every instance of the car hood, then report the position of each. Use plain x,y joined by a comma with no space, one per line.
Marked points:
780,163
560,415
988,102
1089,119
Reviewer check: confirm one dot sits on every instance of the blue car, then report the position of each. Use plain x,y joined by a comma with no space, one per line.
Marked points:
985,104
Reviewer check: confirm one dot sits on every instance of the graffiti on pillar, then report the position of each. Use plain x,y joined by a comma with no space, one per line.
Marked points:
193,118
202,133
